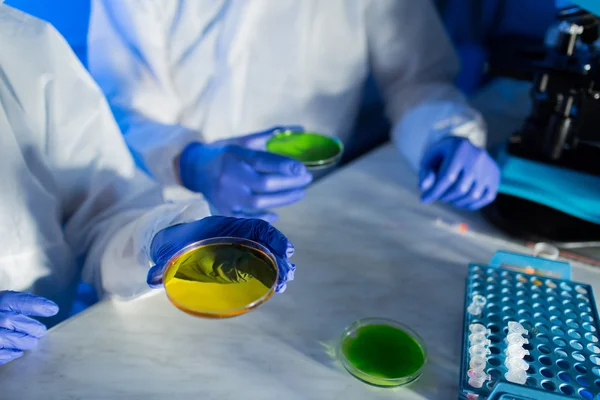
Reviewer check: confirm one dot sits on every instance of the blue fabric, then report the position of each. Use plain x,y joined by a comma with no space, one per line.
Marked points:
473,58
371,128
476,21
86,297
574,193
530,19
473,24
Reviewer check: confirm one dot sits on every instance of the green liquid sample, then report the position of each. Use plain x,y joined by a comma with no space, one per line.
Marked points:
383,352
311,149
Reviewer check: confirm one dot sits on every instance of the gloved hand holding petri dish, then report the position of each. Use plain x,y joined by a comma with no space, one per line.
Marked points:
314,150
214,276
239,178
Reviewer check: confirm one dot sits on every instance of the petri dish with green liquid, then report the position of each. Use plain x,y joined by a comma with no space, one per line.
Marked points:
382,352
314,150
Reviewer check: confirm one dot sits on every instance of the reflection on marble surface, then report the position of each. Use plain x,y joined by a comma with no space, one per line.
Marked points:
365,247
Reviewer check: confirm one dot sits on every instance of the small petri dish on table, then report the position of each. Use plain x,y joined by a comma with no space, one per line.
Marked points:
314,150
382,352
220,277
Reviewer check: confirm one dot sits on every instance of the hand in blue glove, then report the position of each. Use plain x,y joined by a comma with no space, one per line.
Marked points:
456,172
18,332
169,241
240,179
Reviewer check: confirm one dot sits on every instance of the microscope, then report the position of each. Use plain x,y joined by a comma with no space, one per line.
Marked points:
562,130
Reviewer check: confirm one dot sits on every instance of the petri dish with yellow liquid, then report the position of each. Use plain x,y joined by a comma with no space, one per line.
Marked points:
314,150
220,277
382,352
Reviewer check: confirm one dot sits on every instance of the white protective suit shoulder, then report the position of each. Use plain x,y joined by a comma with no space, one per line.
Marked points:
177,71
69,190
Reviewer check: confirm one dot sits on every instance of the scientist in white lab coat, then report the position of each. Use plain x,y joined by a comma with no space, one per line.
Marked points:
189,80
71,200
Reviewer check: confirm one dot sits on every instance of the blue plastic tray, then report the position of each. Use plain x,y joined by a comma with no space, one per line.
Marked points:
541,266
562,320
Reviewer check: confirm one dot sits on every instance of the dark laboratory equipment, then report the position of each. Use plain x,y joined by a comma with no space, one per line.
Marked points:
562,130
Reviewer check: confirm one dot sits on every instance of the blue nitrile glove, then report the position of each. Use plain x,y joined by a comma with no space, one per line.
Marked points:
456,172
240,179
170,240
18,332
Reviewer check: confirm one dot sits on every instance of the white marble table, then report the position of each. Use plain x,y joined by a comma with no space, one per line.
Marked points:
365,248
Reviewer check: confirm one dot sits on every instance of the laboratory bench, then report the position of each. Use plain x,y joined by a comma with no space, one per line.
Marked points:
365,247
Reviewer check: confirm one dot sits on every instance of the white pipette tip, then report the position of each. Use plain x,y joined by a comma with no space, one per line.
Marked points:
515,327
479,338
479,350
516,376
474,310
478,363
477,304
516,364
477,374
479,300
479,328
516,351
477,378
516,338
476,383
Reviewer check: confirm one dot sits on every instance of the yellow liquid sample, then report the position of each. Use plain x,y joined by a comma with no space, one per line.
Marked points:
220,280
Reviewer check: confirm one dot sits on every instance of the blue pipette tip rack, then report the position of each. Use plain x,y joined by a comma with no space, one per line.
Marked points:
562,320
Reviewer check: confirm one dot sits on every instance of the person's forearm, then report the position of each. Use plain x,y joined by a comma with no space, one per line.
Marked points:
156,147
414,65
424,114
119,262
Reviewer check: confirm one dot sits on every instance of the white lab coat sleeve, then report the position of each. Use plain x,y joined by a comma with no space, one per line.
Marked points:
110,210
414,64
128,55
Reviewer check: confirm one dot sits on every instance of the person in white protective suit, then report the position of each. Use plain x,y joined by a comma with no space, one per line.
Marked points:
189,80
71,199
